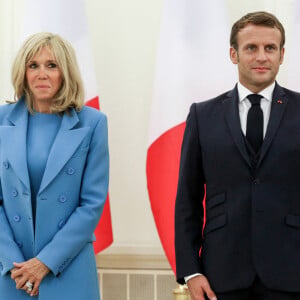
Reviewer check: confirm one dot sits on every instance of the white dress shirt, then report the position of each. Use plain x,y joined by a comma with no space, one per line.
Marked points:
244,106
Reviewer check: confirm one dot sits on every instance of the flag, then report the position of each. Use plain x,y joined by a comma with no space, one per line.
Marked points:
193,65
293,50
68,19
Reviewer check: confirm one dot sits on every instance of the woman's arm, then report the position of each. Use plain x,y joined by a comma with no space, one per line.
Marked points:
9,250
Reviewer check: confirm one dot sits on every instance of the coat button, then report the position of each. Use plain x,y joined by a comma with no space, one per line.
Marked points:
70,171
61,224
17,218
14,193
62,198
5,165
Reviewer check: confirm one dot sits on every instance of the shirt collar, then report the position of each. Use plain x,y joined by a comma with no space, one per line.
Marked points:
267,93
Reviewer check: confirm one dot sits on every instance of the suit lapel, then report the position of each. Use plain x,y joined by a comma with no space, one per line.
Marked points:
278,106
233,122
14,141
64,145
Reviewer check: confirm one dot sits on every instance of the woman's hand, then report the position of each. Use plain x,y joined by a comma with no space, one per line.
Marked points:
32,270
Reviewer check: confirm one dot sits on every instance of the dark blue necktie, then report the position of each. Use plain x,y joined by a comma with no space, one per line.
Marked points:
255,121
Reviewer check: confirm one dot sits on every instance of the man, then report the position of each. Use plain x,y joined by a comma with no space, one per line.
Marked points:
243,152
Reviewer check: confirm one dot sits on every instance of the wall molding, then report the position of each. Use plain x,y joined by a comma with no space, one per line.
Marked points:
132,261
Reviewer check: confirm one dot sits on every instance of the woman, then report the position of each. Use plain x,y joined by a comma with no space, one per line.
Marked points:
54,177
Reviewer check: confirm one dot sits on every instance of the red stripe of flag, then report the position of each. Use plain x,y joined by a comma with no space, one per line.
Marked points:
103,231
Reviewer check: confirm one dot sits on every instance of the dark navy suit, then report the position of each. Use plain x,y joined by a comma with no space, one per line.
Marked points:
252,203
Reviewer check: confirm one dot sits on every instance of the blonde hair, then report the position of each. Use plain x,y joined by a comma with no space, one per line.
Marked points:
71,93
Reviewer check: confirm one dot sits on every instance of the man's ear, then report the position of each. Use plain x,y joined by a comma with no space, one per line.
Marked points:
233,55
281,55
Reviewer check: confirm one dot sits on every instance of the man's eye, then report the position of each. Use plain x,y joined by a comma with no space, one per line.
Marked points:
251,48
270,48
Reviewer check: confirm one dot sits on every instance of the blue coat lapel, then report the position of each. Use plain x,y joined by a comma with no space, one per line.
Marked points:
14,146
14,141
65,144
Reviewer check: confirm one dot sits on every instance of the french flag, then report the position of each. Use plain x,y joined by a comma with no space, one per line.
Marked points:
193,65
68,19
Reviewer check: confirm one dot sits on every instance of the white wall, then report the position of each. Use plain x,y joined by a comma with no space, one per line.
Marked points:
124,39
124,34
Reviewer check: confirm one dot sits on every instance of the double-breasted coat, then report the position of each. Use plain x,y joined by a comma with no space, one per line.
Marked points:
69,203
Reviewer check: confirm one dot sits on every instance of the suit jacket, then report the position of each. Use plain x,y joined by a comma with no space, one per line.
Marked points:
252,204
69,203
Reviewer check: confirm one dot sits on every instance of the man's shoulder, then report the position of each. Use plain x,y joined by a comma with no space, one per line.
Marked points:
291,93
215,100
213,103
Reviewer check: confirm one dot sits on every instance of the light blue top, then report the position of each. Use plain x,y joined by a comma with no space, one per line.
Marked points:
41,131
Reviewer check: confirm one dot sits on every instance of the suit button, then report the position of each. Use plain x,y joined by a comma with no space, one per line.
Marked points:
256,181
14,193
17,218
20,244
5,165
62,198
70,171
61,224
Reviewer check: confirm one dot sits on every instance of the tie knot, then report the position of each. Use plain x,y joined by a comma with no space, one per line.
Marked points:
254,99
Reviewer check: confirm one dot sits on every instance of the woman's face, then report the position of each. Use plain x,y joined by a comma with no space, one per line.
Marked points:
44,79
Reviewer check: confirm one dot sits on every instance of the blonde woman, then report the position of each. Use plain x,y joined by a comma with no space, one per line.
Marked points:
54,167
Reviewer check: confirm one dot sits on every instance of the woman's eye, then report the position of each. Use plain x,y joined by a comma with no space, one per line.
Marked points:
32,66
52,65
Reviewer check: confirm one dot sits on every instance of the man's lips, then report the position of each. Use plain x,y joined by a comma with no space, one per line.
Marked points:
261,69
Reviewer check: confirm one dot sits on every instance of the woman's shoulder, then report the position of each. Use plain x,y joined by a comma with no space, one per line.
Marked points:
91,114
6,108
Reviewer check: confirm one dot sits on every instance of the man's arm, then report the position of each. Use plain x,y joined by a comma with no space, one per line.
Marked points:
199,287
189,210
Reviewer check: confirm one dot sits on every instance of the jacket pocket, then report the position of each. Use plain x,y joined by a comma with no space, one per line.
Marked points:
293,220
215,223
215,201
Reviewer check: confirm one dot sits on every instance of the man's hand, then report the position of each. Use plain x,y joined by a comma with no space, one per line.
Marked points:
32,270
199,287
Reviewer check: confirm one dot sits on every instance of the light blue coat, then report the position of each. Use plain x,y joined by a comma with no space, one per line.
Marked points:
69,203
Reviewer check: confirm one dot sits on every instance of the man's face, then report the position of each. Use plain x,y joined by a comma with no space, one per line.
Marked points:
258,56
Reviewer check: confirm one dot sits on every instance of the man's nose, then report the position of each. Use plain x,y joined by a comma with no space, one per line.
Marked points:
261,54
